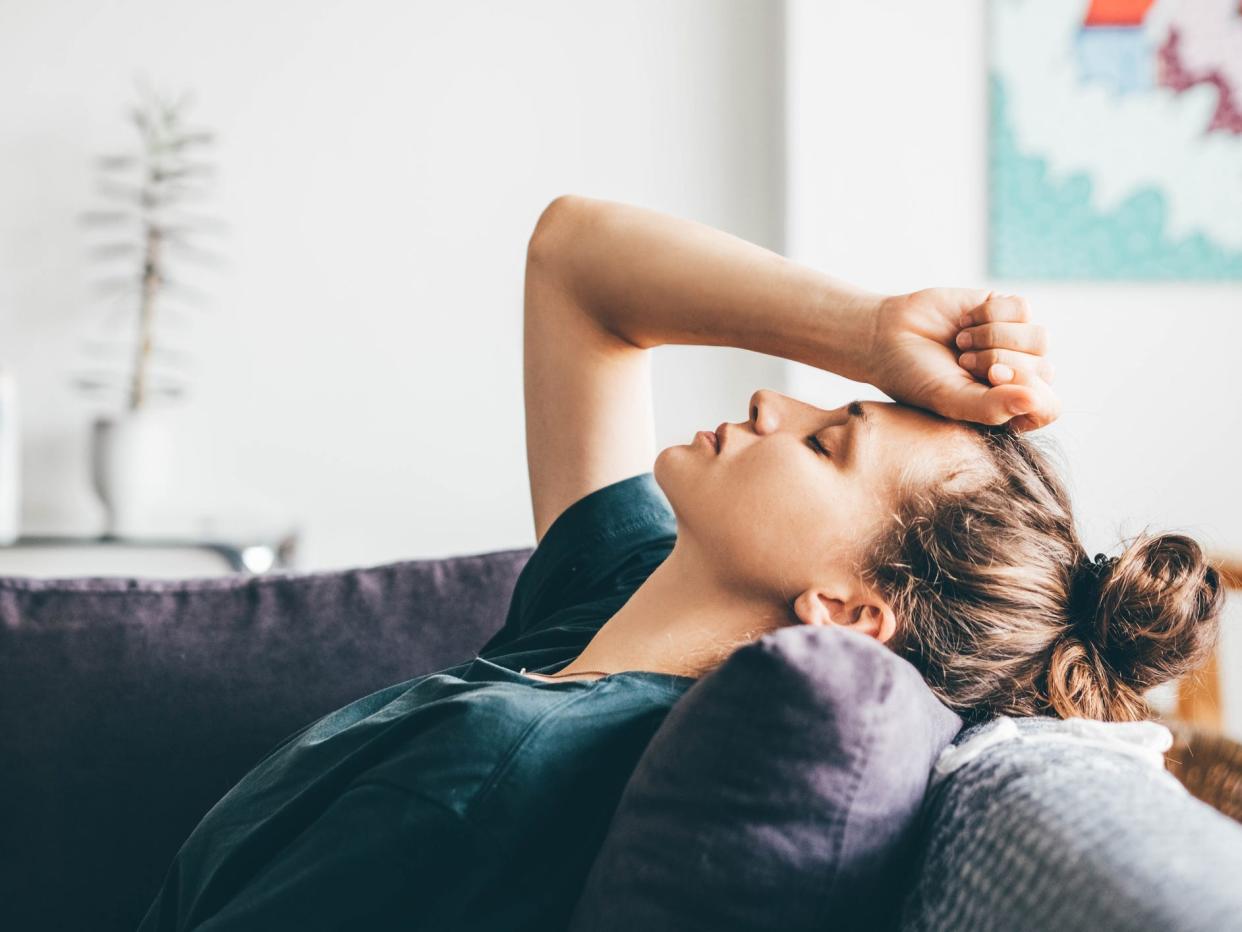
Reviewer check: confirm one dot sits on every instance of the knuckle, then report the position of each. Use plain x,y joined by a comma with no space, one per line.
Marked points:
1002,307
1041,338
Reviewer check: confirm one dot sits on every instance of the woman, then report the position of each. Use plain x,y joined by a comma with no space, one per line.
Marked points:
475,798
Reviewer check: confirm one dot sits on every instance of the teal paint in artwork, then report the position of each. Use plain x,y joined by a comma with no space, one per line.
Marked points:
1041,228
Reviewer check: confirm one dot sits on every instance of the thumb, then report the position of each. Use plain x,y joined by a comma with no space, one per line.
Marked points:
971,400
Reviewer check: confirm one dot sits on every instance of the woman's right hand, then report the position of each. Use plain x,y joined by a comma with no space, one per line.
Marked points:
1001,376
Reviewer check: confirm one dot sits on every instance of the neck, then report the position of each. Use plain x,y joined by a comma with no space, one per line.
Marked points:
680,620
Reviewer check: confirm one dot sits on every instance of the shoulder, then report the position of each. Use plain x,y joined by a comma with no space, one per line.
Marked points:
595,730
528,718
595,554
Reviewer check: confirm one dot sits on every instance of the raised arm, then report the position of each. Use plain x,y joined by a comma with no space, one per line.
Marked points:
605,282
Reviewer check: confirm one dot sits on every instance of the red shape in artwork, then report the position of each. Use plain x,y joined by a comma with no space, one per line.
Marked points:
1117,12
1175,74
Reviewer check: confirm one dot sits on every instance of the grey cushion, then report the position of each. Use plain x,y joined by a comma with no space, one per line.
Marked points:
1035,835
781,792
128,708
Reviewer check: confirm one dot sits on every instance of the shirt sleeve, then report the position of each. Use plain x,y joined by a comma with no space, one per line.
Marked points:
598,550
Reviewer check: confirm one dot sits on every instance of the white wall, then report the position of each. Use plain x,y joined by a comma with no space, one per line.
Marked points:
887,187
382,165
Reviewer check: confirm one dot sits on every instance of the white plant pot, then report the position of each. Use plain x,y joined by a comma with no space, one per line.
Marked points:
132,467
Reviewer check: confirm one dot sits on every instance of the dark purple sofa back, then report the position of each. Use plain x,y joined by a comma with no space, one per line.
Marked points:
129,707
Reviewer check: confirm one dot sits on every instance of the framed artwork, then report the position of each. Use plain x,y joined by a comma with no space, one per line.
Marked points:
1115,139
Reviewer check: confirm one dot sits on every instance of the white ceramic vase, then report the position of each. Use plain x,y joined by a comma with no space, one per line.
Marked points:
132,468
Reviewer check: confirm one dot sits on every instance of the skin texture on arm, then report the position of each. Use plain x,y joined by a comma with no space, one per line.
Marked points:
589,418
607,281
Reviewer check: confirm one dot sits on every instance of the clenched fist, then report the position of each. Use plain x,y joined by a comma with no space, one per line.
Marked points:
966,354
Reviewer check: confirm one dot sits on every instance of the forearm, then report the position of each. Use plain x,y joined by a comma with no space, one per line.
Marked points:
653,279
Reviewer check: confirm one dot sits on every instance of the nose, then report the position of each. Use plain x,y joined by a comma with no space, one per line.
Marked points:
765,411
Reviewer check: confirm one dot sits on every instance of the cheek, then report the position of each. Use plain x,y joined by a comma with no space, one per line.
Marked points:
767,515
789,501
768,486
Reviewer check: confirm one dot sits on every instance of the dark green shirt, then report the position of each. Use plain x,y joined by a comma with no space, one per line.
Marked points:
472,798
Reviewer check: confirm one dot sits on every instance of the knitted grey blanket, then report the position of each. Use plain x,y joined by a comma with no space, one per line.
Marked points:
1050,835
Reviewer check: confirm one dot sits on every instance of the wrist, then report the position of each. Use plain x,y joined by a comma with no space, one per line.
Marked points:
848,338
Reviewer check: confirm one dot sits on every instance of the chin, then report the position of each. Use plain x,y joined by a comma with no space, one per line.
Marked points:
674,469
665,464
679,472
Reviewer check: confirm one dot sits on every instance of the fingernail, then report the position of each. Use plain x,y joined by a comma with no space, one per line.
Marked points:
967,360
1001,372
964,340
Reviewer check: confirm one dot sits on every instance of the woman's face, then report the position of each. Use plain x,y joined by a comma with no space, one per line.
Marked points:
773,513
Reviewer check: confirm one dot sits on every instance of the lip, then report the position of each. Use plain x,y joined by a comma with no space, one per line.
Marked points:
709,438
720,435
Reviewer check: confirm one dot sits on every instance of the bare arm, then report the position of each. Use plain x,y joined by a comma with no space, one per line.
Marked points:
607,281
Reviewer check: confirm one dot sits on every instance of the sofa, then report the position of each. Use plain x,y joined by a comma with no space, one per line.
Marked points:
129,707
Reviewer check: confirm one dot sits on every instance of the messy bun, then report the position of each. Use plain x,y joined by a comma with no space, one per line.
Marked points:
1002,610
1137,620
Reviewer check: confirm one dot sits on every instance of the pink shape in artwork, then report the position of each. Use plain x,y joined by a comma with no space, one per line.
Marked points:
1204,46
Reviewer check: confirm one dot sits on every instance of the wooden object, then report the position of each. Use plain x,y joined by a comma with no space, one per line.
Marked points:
1199,699
1209,765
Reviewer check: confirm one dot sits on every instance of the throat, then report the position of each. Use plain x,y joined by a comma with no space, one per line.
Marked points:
676,622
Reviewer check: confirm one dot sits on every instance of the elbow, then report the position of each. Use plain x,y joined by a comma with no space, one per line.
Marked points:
549,236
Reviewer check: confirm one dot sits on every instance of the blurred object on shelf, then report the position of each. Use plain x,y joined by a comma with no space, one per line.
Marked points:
133,467
10,459
172,557
151,232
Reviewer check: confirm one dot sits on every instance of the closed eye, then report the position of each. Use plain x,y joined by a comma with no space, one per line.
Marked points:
814,443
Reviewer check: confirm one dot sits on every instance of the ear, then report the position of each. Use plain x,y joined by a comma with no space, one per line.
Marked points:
865,613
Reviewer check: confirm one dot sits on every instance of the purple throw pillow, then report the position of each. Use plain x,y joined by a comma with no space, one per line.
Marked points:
782,792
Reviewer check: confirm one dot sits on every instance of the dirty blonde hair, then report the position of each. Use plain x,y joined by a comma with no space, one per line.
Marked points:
1004,613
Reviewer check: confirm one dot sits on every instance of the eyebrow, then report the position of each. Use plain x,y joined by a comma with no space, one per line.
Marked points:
857,415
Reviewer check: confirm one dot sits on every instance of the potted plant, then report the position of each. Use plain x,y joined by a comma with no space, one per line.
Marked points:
146,228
